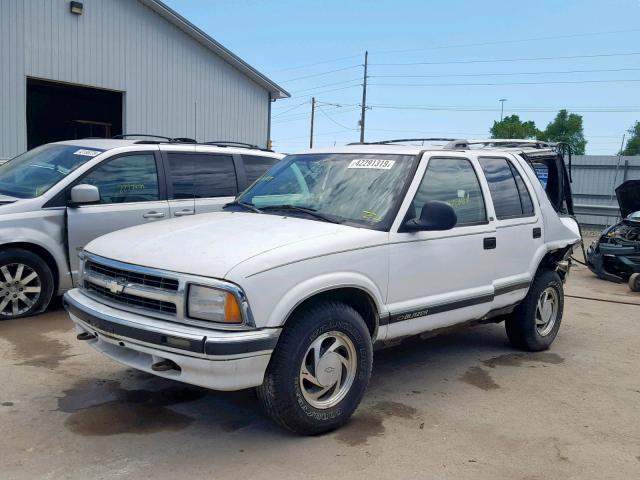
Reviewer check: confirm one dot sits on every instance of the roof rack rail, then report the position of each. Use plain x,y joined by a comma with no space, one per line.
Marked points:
400,140
224,143
127,135
505,142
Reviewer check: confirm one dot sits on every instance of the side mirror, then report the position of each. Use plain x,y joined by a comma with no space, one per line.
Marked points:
434,216
84,194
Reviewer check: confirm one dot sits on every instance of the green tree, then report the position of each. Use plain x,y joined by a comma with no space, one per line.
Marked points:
566,127
513,127
633,144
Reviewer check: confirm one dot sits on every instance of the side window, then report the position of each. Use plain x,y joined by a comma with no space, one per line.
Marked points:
131,178
202,175
508,191
255,166
454,181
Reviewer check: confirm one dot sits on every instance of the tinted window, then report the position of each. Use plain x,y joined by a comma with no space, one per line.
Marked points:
454,181
132,178
202,175
255,166
525,198
504,190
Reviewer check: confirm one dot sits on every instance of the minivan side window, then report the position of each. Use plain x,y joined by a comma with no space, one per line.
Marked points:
202,175
454,181
511,199
255,166
130,178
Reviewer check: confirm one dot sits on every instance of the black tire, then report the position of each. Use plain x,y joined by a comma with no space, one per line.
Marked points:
634,282
521,325
9,259
281,393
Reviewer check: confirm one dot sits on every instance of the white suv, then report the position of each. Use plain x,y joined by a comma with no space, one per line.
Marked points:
58,197
328,253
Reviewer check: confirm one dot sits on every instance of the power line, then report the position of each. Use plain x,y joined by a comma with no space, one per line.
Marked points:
322,62
326,91
498,60
334,121
501,42
505,74
558,82
290,109
497,109
320,74
306,115
318,87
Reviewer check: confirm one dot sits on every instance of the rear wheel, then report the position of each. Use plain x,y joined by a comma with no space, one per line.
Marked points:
534,323
26,284
319,370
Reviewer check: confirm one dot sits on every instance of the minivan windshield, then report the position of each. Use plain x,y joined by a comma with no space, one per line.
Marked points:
359,189
34,172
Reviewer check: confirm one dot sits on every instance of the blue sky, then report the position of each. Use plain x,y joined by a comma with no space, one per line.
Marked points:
290,39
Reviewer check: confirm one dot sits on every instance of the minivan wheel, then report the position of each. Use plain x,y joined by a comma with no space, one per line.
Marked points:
534,323
319,370
26,284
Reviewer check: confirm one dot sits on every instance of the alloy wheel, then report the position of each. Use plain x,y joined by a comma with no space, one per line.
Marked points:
20,288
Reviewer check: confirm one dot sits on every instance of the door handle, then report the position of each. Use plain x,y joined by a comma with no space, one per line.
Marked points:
489,243
182,213
153,214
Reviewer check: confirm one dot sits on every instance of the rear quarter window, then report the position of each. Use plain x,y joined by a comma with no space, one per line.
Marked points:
511,198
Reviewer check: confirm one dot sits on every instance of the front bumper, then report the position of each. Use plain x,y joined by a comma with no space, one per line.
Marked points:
220,360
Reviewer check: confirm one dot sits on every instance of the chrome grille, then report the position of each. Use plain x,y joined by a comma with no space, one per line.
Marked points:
131,277
131,300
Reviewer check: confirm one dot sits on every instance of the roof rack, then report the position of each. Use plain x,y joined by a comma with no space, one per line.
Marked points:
400,140
160,138
500,142
224,143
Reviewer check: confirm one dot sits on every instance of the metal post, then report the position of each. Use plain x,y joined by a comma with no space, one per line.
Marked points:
313,112
364,97
502,100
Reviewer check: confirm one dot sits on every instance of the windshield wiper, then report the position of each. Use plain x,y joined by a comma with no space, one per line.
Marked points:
247,206
309,211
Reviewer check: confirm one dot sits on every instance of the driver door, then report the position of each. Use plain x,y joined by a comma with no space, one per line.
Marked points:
130,194
439,278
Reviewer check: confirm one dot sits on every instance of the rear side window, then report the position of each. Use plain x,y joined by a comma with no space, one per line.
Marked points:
131,178
202,175
255,166
454,181
510,196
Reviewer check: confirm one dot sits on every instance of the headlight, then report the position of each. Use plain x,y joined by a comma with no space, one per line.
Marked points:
206,303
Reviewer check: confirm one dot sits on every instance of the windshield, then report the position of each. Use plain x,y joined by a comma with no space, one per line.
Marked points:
36,171
361,189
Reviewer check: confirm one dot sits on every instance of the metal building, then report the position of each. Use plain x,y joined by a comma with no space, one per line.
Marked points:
105,67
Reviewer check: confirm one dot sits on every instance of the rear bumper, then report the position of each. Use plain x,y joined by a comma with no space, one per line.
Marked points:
220,360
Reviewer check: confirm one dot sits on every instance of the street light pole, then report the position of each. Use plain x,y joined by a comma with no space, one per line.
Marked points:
502,100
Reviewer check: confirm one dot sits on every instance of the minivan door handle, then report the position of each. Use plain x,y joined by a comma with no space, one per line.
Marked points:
489,243
182,213
153,214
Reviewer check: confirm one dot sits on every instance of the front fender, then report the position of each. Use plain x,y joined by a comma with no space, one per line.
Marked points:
322,283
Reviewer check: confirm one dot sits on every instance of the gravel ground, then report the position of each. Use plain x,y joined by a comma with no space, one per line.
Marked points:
459,406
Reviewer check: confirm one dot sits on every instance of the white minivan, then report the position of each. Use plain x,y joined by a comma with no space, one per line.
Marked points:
56,198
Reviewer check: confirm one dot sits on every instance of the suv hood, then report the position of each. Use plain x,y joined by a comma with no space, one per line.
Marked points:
628,194
208,244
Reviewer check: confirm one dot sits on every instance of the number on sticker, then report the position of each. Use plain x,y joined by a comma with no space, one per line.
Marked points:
372,163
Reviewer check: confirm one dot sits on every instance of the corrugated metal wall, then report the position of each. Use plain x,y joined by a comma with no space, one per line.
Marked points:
174,86
594,180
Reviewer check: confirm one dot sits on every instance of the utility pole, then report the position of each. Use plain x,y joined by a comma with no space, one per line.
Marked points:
502,100
313,112
364,97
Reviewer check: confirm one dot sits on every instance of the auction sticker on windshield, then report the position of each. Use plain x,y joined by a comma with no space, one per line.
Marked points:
373,163
87,153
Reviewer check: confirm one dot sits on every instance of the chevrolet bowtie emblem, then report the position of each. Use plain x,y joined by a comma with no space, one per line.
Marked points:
115,286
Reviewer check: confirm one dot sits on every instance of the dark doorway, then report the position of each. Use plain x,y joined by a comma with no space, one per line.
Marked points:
58,111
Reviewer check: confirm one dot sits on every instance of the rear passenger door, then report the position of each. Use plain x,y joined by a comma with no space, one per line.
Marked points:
518,228
200,182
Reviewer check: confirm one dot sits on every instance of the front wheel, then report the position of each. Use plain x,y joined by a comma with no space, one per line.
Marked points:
534,323
26,284
319,369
